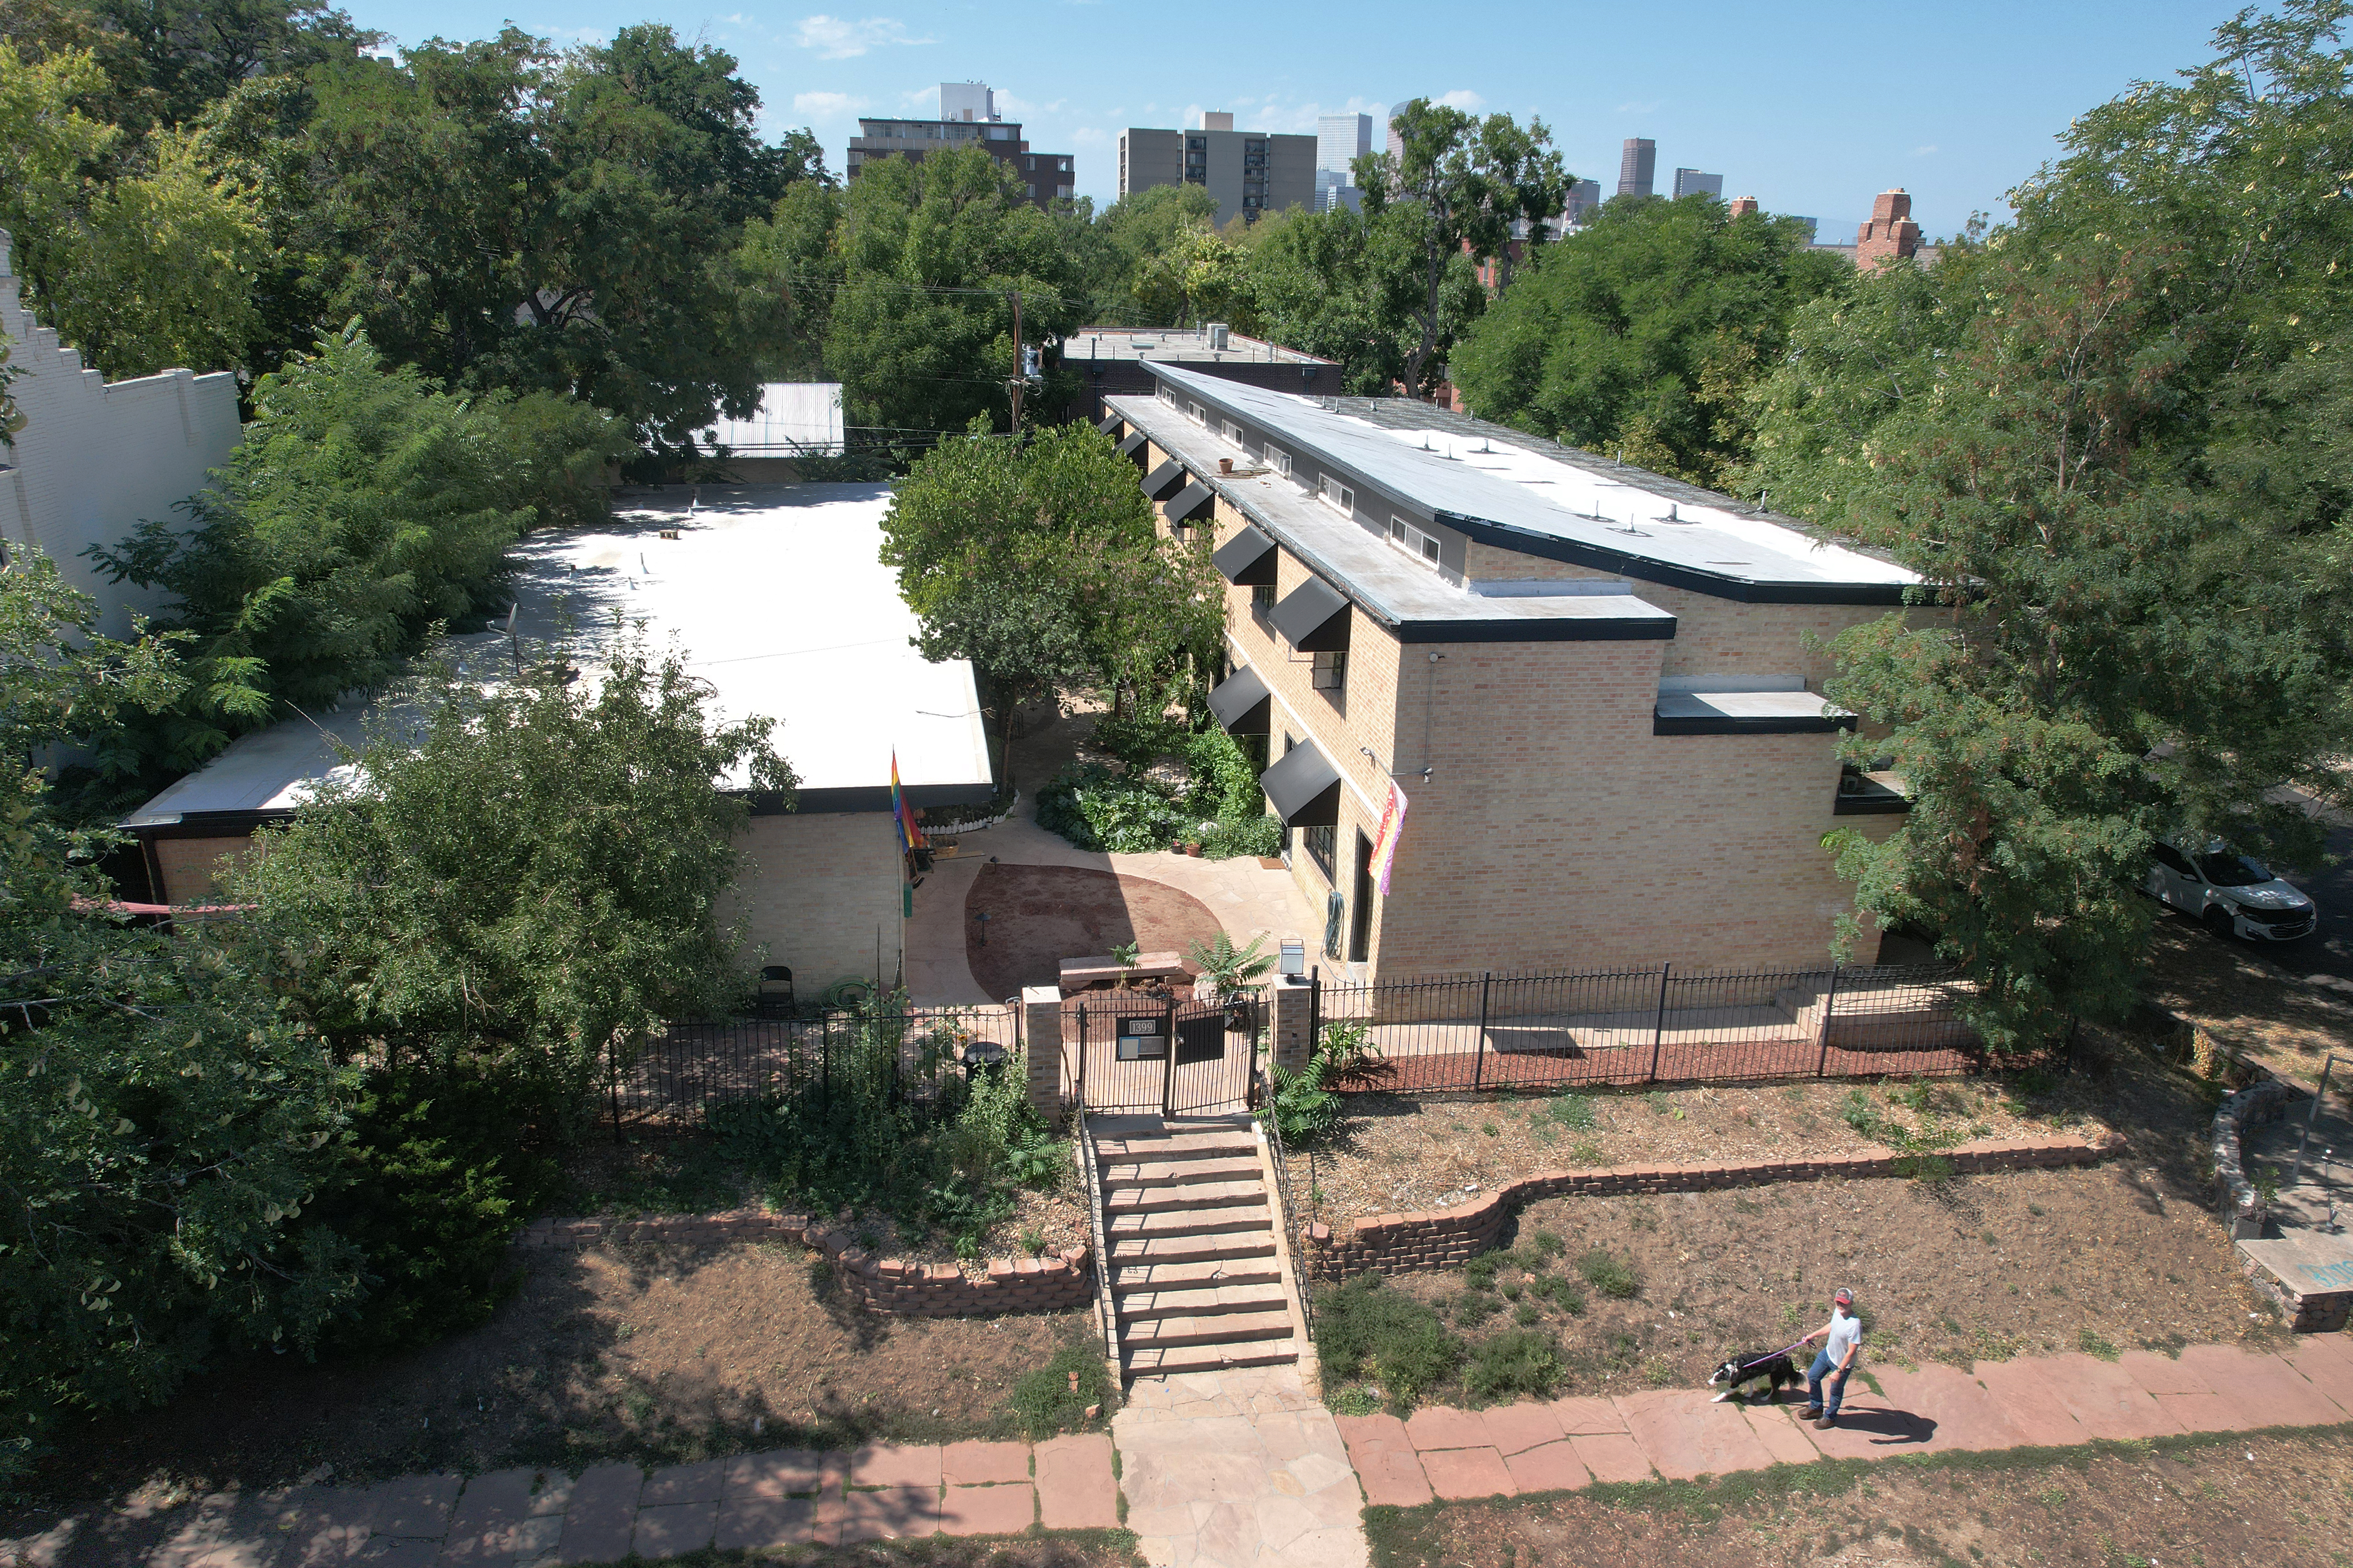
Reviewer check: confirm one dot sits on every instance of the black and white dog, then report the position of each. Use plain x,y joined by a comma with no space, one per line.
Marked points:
1772,1368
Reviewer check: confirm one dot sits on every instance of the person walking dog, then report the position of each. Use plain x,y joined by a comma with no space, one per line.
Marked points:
1842,1340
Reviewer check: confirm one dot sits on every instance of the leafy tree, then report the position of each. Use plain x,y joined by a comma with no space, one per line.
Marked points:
1132,234
1036,559
190,56
161,1129
1328,284
2082,437
1647,331
1452,197
1199,275
360,509
920,333
506,217
517,881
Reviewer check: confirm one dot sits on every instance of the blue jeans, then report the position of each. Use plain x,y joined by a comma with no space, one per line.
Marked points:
1825,1368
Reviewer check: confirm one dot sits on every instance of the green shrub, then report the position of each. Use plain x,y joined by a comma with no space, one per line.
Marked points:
1610,1274
1480,1272
442,1173
1859,1113
1548,1244
1364,1329
1046,1401
1304,1111
1235,836
1098,809
1139,736
1473,1308
1516,1363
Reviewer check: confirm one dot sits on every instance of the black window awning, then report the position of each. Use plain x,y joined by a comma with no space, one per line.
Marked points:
1314,617
1132,444
1303,787
1247,560
1109,423
1194,503
1242,704
1163,481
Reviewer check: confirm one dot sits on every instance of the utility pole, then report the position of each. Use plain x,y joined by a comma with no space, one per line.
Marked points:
1017,367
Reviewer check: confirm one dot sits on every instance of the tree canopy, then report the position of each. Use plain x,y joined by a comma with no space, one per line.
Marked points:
1646,331
1036,559
2107,440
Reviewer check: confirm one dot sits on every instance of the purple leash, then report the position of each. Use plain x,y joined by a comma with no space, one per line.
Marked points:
1761,1360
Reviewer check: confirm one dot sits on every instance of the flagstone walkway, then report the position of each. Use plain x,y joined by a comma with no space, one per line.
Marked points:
1680,1433
786,1497
1241,1469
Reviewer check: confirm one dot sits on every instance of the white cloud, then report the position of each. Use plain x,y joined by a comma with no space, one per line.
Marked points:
1924,151
1088,136
839,39
1463,99
1014,107
826,105
1650,107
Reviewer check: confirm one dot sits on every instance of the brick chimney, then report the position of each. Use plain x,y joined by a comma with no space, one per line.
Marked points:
1742,205
1890,234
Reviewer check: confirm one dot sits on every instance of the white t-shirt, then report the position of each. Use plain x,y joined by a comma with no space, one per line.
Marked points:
1845,1331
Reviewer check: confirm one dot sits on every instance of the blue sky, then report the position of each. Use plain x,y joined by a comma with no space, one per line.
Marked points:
1811,107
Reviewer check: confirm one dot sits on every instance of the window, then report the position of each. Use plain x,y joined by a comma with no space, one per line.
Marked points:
1421,546
1278,460
1230,431
1198,415
1319,842
1331,671
1261,599
1167,394
1336,494
2172,860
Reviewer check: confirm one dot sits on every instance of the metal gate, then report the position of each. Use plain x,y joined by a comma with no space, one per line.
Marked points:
1144,1054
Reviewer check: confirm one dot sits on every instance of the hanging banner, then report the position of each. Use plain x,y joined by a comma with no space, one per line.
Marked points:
1385,843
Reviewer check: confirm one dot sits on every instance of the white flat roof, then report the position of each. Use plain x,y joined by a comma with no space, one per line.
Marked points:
1489,479
782,603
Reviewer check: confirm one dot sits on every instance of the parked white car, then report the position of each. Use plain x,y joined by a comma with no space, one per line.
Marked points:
2233,894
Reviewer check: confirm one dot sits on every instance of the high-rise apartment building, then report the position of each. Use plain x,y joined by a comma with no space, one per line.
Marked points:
1251,173
1637,166
968,117
1691,183
1584,197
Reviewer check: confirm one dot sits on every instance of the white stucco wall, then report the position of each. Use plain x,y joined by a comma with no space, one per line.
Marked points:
94,459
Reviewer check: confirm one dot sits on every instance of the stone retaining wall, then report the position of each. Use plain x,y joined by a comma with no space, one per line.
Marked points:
1055,1283
2243,1207
1413,1243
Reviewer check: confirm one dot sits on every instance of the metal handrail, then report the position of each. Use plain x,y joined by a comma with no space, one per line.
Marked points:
1294,1228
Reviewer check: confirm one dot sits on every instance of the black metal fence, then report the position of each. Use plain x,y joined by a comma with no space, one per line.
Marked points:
689,1065
1652,1025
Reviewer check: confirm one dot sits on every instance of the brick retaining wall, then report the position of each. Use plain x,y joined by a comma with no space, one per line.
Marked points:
1055,1283
1414,1243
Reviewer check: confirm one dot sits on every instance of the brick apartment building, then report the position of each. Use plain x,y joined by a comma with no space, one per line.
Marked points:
1594,685
968,117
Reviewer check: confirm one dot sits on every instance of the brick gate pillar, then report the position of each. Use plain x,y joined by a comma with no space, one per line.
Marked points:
1041,1041
1294,1006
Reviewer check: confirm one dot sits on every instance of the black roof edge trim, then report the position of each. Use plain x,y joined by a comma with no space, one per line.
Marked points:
1825,725
1715,584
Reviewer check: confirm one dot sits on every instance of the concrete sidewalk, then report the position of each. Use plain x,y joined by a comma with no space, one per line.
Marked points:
1680,1433
785,1497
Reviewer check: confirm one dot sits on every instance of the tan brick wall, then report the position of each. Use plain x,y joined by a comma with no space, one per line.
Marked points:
815,889
1712,637
194,869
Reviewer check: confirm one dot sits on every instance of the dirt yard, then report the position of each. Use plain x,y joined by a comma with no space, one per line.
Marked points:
1401,1152
2118,1257
2283,1501
655,1354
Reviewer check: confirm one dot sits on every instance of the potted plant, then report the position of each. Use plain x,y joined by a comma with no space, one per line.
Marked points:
1227,973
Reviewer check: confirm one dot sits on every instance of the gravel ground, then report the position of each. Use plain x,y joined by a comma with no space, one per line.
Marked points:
1400,1153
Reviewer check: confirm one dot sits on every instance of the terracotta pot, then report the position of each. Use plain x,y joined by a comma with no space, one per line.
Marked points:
1194,850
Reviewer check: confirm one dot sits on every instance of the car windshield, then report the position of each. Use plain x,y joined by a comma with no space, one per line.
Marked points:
2233,870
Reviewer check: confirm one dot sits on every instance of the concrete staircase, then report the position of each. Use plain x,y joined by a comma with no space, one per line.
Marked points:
1194,1274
